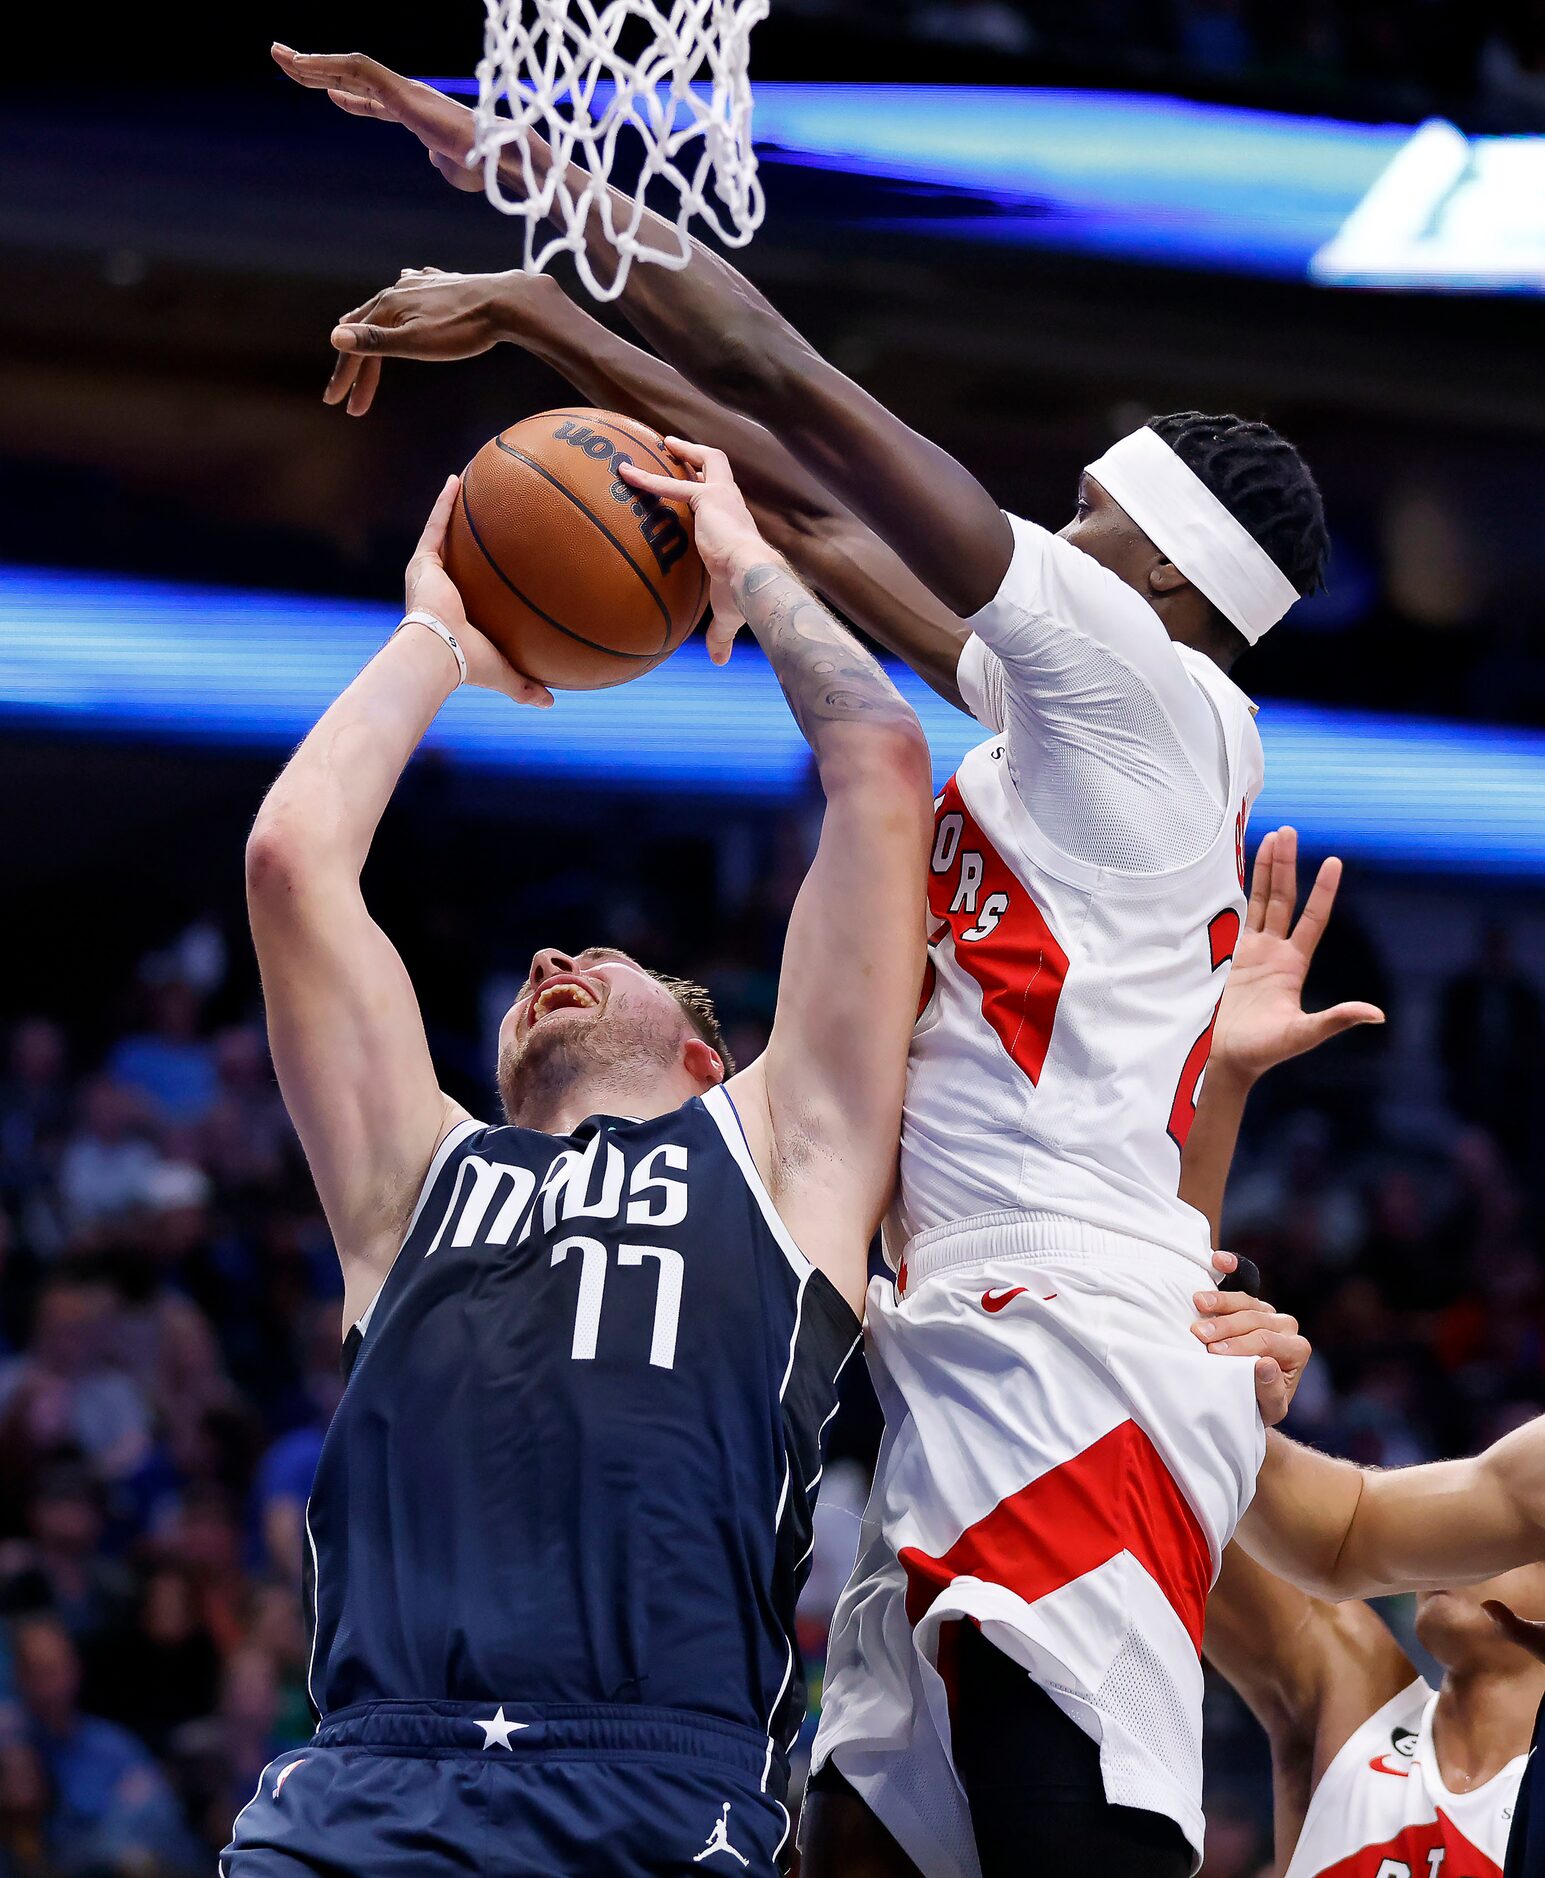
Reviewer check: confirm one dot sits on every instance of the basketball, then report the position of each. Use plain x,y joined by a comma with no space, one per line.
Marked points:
581,581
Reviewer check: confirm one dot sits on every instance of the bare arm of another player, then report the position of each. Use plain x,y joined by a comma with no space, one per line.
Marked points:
715,327
1261,1021
428,314
1341,1531
1311,1673
344,1025
824,1101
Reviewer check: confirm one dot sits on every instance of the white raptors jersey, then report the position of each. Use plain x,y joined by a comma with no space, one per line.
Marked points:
1070,1005
1382,1810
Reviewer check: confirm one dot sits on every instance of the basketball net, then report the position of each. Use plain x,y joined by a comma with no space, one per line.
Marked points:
555,67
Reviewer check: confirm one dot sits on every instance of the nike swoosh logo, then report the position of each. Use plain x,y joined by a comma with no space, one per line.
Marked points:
995,1301
1380,1765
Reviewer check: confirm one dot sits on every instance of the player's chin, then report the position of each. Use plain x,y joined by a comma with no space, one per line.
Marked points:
535,1046
561,1026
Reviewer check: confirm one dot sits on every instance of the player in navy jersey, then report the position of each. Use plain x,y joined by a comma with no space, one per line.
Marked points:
563,1512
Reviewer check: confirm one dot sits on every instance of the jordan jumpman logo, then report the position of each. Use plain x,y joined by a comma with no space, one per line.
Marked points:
719,1841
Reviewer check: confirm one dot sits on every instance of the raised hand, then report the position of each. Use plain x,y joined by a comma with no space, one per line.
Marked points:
1232,1323
726,536
427,314
429,588
364,87
1261,1021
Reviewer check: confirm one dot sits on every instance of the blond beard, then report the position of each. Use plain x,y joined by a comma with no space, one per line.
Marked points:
539,1071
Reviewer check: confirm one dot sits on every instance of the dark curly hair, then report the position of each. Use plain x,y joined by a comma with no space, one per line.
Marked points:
1261,480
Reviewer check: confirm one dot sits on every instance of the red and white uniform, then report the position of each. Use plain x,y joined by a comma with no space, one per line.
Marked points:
1382,1810
1063,1462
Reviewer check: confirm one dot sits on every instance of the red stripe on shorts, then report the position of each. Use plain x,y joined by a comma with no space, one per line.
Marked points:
1117,1496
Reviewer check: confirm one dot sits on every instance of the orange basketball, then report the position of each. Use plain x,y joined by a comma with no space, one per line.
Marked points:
579,580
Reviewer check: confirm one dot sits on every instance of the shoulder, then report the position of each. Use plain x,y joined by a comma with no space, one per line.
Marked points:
1048,577
463,1135
1235,705
742,1112
788,1168
1364,1677
1236,713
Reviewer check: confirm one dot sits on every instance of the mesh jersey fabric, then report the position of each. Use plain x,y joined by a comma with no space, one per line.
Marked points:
1116,749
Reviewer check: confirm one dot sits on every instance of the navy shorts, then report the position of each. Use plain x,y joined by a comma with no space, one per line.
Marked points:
416,1790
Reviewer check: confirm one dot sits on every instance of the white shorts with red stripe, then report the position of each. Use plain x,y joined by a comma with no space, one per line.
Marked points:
1063,1463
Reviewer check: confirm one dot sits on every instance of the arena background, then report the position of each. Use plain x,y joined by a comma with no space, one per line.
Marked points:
179,229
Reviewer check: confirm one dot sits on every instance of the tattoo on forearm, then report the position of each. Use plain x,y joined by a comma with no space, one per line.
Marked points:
826,675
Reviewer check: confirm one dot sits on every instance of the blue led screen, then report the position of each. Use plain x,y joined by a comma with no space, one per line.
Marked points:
100,656
1158,179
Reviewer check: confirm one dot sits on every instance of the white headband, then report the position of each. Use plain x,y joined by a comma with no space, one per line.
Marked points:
1187,523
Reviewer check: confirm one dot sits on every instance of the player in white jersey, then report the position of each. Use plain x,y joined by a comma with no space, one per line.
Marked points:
1086,896
1376,1773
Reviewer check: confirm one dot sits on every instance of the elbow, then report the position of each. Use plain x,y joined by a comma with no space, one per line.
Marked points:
889,761
748,368
281,858
270,861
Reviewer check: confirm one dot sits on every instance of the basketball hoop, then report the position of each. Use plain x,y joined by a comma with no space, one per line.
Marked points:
558,69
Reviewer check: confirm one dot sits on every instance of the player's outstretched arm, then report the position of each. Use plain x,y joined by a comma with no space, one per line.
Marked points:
824,1101
1261,1021
1341,1531
343,1022
428,314
1310,1672
715,327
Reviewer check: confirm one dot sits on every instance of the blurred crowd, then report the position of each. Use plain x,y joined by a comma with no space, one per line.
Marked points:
170,1320
1361,57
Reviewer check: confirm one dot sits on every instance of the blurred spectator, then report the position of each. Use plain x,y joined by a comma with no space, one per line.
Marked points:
108,1158
287,1470
25,1805
112,1810
163,1669
34,1106
167,1063
994,25
245,1135
220,1757
278,1626
1489,1043
58,1566
1236,1845
161,1337
201,1537
64,1392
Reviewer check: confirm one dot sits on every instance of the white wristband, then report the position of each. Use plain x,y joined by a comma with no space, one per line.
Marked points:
419,617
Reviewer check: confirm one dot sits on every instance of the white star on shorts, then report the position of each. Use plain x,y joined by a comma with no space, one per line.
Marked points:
497,1731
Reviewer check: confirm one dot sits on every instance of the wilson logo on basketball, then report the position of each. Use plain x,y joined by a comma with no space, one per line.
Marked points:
663,532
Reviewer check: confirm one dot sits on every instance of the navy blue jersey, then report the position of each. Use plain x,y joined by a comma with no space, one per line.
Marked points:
577,1455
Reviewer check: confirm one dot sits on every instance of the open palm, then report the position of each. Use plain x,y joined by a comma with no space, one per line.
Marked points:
1261,1021
364,87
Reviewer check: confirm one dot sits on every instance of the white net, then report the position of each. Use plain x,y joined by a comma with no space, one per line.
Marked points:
668,77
